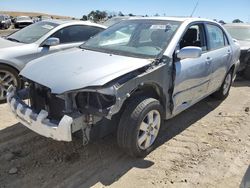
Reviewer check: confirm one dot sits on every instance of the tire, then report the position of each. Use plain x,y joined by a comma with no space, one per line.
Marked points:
246,73
12,79
224,90
133,126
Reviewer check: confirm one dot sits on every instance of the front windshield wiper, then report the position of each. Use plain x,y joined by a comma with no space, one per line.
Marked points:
12,39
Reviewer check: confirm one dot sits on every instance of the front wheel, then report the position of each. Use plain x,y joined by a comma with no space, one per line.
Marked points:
139,126
223,92
8,76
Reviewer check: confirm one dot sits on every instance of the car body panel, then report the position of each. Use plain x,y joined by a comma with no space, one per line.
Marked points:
221,60
79,69
192,78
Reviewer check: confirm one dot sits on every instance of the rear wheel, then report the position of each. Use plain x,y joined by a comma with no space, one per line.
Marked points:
8,76
223,92
139,126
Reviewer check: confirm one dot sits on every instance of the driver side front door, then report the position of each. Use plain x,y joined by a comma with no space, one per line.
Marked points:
192,75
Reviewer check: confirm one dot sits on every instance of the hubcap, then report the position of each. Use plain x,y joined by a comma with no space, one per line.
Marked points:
227,84
6,79
149,129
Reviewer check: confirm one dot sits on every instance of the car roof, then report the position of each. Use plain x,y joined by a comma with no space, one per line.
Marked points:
74,22
180,19
237,25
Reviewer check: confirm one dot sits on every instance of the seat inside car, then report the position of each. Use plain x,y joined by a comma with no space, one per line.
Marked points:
158,36
190,38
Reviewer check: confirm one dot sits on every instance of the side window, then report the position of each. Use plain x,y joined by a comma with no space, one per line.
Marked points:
216,37
76,33
194,36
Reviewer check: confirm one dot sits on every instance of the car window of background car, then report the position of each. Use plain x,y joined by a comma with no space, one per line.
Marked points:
1,18
33,32
216,37
135,38
76,33
194,36
239,33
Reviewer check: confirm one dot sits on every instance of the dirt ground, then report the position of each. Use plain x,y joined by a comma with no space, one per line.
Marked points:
5,32
205,146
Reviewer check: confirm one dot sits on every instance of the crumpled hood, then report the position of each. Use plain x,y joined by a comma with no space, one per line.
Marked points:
244,45
76,69
6,43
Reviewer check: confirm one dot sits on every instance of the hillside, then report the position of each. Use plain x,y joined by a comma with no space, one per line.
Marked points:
32,14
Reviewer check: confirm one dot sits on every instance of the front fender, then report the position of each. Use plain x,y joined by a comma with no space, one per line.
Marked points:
11,64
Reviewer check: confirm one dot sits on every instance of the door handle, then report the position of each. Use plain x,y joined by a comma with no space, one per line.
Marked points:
227,54
208,60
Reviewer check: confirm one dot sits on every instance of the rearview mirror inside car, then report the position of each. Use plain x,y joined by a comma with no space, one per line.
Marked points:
51,41
189,52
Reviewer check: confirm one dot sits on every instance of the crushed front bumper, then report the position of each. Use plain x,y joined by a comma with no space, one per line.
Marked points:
39,123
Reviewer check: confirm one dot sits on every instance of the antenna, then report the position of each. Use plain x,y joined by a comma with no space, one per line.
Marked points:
195,7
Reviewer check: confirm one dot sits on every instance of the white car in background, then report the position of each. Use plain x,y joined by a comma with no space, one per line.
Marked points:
37,40
23,21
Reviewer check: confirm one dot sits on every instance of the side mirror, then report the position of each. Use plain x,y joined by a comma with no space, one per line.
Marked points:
51,42
189,52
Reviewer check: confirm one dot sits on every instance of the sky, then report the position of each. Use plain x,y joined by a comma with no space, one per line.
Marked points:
226,10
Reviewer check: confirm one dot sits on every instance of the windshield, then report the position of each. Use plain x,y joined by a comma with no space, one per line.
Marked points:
32,33
23,18
1,18
114,20
239,33
139,38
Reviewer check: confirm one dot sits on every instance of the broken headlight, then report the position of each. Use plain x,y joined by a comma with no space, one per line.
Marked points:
94,103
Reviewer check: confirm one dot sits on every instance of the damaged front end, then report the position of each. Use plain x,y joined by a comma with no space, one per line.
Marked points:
58,116
50,115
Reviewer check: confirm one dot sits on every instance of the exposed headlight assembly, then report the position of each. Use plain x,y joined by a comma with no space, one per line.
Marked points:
94,103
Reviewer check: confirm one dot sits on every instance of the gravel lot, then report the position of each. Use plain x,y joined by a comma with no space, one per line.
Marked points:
206,146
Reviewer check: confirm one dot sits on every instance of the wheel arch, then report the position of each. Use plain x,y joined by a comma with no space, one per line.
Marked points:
10,65
151,90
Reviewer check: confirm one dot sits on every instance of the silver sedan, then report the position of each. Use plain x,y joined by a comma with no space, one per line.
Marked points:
38,40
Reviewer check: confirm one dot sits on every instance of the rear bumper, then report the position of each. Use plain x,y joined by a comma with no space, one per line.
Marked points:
39,123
